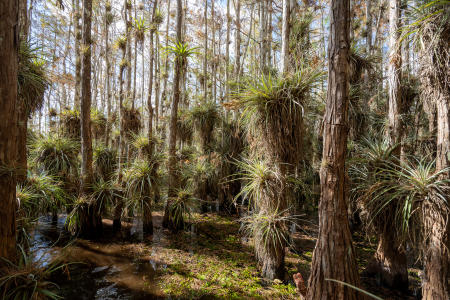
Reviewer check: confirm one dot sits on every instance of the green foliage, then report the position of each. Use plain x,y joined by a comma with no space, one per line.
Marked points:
29,278
139,29
105,162
31,79
104,194
269,231
182,51
55,154
205,116
71,124
179,208
141,180
158,18
273,111
41,193
98,123
260,182
185,128
392,194
121,42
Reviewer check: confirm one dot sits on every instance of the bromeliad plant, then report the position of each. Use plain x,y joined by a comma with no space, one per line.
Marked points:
56,155
204,117
105,162
182,51
179,207
29,278
270,233
409,186
141,186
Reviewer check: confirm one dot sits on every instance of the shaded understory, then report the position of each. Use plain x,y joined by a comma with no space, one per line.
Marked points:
209,260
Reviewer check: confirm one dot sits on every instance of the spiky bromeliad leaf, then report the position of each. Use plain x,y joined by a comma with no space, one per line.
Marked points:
400,192
31,78
269,231
56,154
262,183
179,207
273,111
47,191
141,178
29,278
205,116
105,162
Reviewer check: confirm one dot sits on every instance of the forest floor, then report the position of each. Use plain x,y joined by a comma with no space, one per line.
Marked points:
210,260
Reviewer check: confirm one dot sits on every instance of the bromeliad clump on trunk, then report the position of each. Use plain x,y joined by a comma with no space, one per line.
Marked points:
264,188
204,117
401,196
273,111
70,124
369,178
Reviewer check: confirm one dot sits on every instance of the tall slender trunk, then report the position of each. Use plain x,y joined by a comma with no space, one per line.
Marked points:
133,97
390,259
205,57
157,81
77,55
237,42
285,36
215,60
334,255
107,75
9,47
166,63
368,36
227,53
172,160
22,110
92,220
435,66
147,213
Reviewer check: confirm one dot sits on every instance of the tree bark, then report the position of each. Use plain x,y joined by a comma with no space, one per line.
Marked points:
390,262
147,209
285,36
334,255
172,160
9,46
237,42
205,57
435,73
92,224
77,55
394,75
227,53
107,76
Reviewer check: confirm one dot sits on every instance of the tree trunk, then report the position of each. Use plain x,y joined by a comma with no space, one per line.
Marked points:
436,219
205,57
9,47
394,75
334,255
436,254
92,221
285,36
107,76
172,160
77,55
147,209
390,262
237,42
227,54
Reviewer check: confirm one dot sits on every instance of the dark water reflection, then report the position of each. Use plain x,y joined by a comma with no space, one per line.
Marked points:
105,269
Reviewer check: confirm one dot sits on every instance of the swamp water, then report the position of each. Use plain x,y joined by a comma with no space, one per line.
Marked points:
105,269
